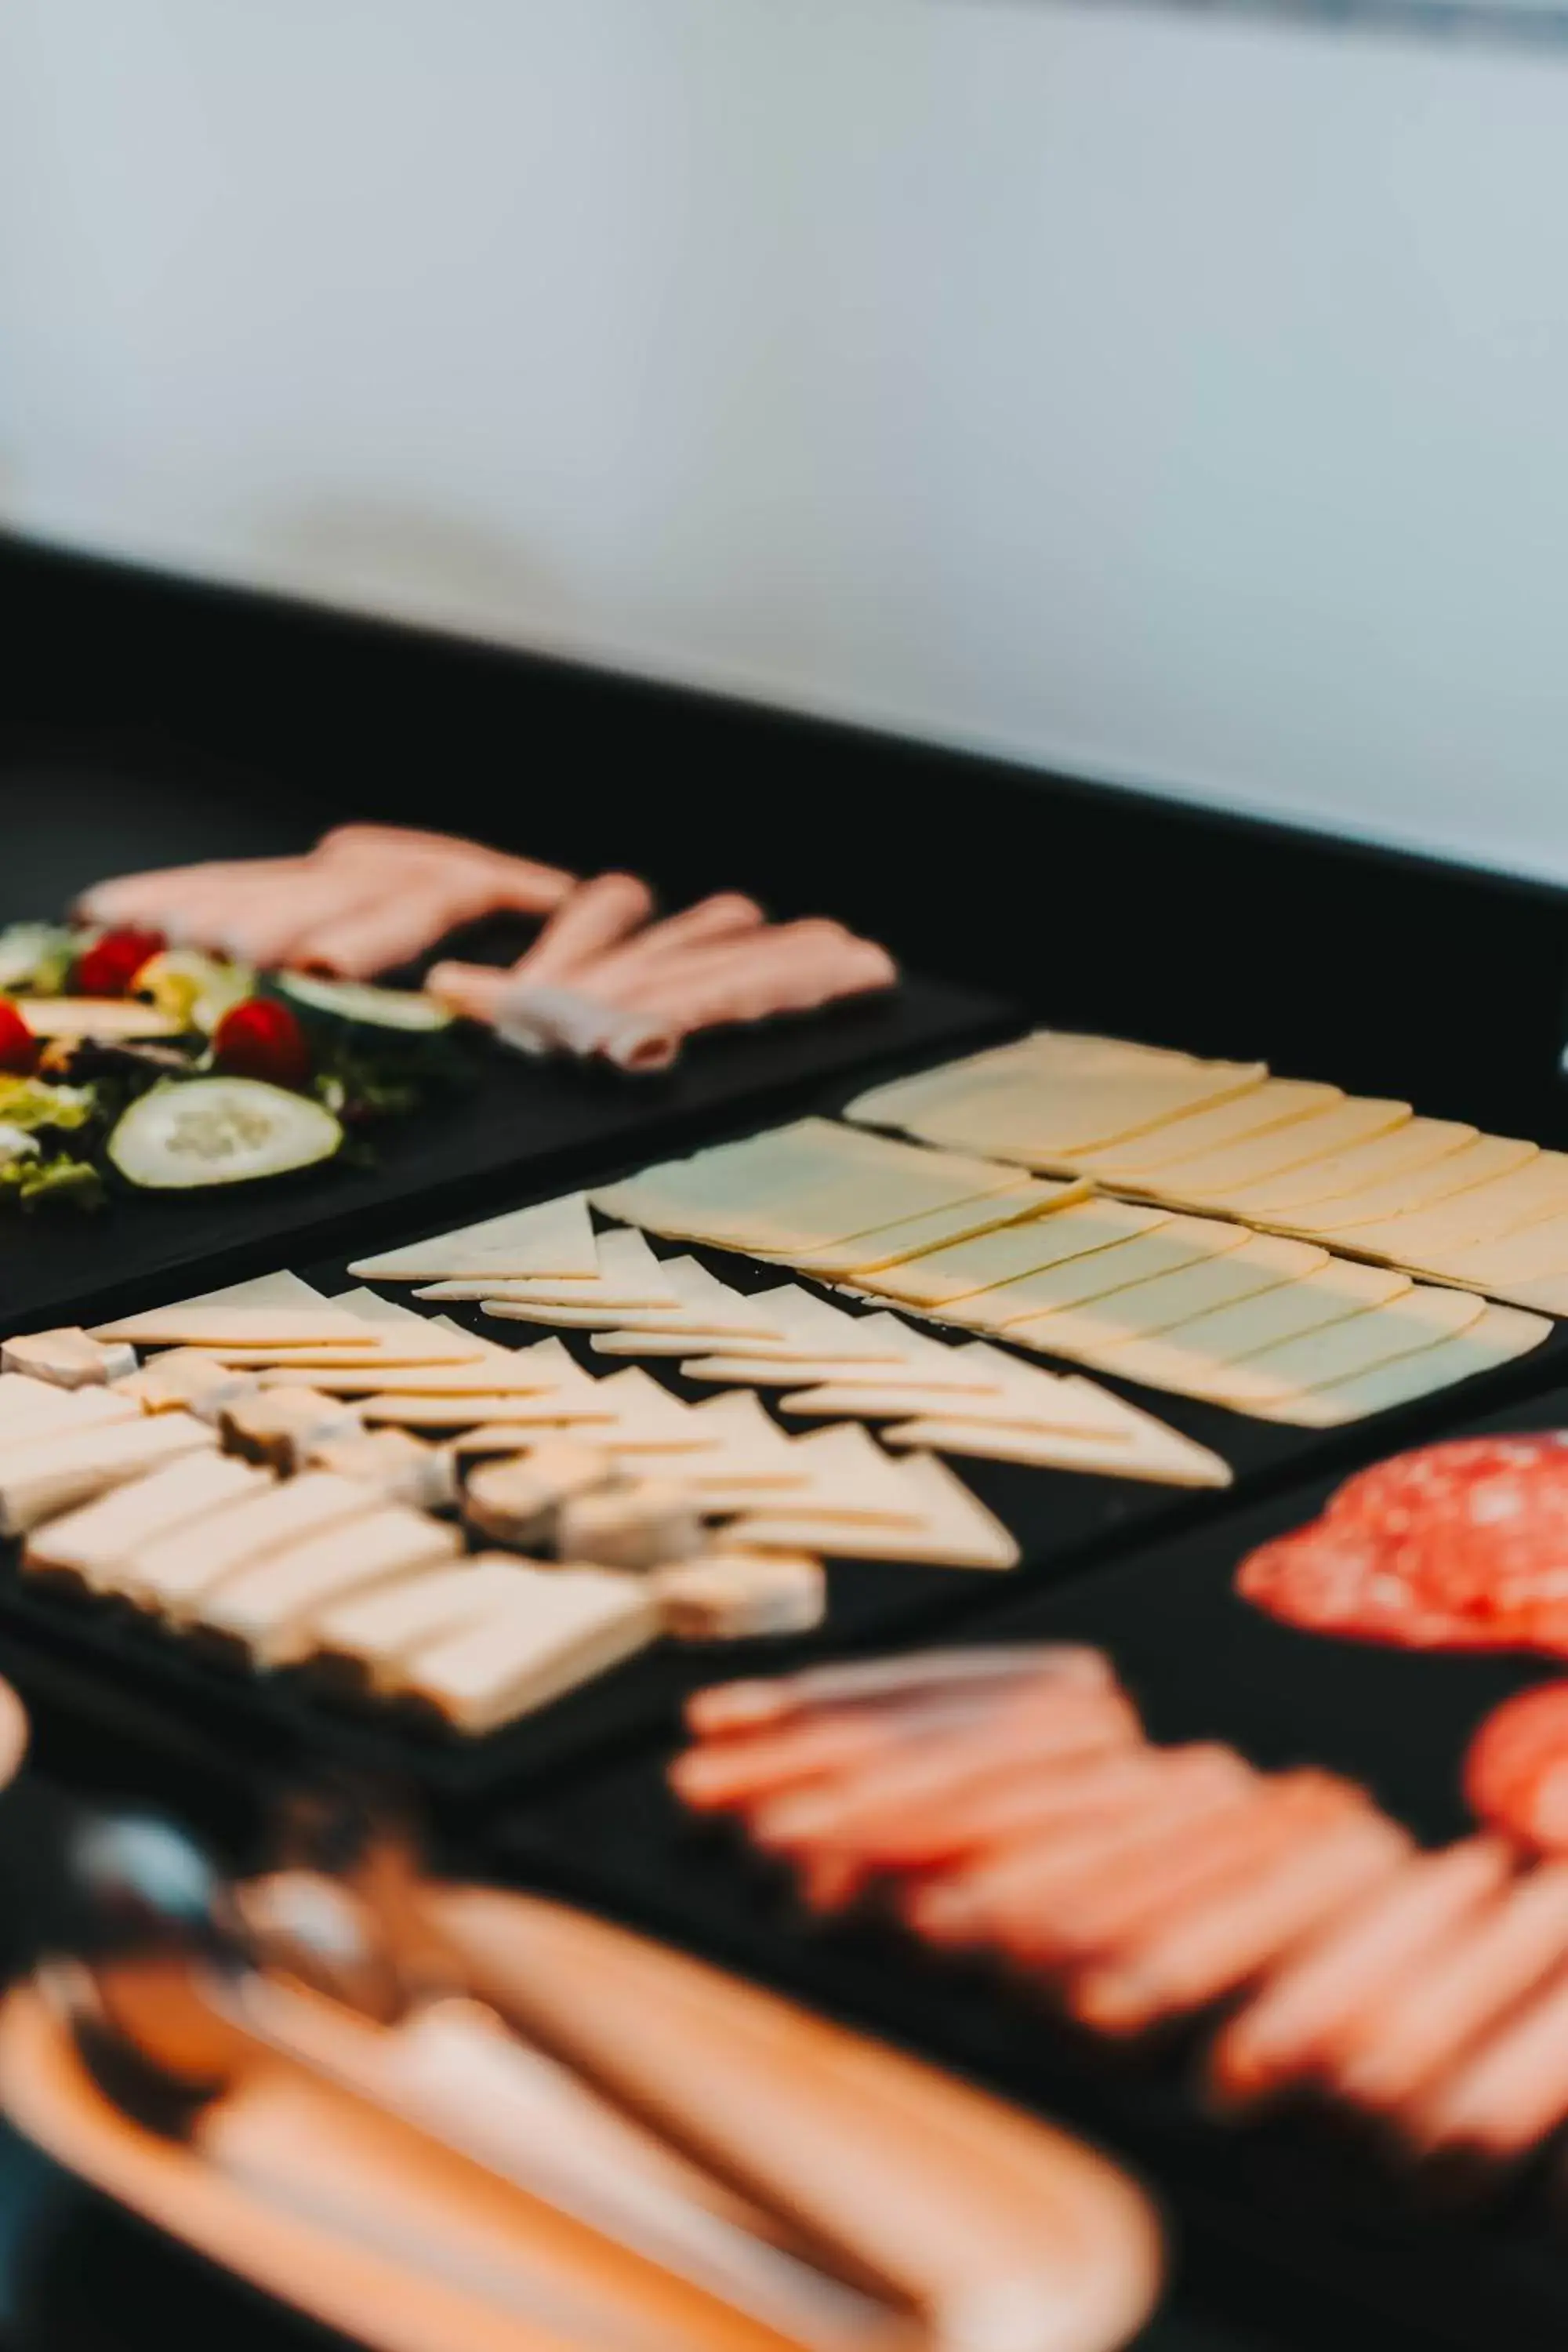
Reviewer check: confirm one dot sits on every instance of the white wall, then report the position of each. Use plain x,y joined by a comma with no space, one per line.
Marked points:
1178,397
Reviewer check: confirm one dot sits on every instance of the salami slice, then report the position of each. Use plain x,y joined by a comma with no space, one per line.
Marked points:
1516,1773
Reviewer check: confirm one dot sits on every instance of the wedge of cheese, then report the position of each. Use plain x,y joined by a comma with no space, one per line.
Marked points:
67,1357
554,1237
1154,1454
88,1545
950,1528
68,1467
280,1426
364,1640
188,1379
564,1626
172,1574
269,1609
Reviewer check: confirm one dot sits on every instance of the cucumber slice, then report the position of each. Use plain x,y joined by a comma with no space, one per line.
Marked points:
405,1009
201,1132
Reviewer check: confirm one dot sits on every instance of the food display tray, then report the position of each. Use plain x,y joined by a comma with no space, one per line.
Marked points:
88,1665
1305,2194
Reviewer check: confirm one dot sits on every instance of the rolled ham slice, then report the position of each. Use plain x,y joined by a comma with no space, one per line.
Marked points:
737,1707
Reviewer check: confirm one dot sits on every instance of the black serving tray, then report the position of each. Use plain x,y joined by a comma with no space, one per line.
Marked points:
1301,2192
91,1660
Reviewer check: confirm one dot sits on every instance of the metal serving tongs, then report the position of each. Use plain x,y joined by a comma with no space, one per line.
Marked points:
753,2177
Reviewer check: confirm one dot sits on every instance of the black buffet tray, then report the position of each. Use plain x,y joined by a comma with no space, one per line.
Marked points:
1301,2192
522,1131
1066,1524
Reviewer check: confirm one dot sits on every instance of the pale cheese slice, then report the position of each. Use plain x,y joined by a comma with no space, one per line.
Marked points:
952,1529
1222,1175
1414,1144
564,1626
71,1467
481,1417
629,1276
1156,1455
966,1267
1547,1295
481,1377
799,1188
90,1543
887,1245
373,1634
1339,1351
173,1573
235,1327
1176,1241
686,1341
1047,1122
1146,1308
1408,1194
29,1408
1043,1053
1277,1103
649,1416
1481,1213
1191,1357
554,1238
848,1476
1530,1254
1498,1336
269,1609
808,1372
744,1454
402,1335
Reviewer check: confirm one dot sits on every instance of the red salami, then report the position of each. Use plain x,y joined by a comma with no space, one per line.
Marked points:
1516,1774
1460,1546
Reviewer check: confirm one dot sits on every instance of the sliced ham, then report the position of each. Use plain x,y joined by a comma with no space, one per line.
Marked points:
1516,1772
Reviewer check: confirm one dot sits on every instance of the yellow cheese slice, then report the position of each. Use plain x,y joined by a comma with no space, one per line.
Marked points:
1047,1121
235,1327
1147,1308
1221,1176
1176,1241
1547,1295
547,1408
116,1019
1481,1213
1340,1351
1497,1336
1530,1254
564,1626
956,1271
553,1238
1408,1192
485,1378
29,1408
952,1529
629,1276
1188,1358
1277,1103
1158,1455
889,1245
1414,1144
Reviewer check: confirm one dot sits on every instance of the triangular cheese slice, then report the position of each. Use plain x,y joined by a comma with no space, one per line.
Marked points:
1157,1455
554,1237
952,1529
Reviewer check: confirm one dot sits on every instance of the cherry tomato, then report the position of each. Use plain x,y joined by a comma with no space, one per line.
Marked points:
109,966
261,1039
19,1049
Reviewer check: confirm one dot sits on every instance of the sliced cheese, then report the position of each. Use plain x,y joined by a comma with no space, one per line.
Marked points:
29,1408
564,1626
1410,1192
1189,1359
888,1245
1177,1241
1341,1350
1277,1103
1154,1455
71,1467
269,1609
373,1633
553,1238
66,1358
1529,1254
1048,1120
91,1543
186,1380
629,1276
848,1476
485,1376
1146,1308
235,1327
1222,1175
1481,1213
952,1529
490,1411
1414,1144
1498,1336
173,1573
964,1268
